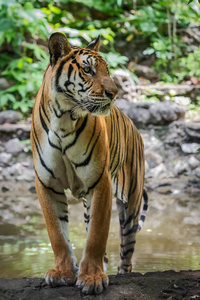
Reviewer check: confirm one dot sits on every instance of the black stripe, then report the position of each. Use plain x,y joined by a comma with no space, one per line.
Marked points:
132,230
42,161
57,136
70,71
37,137
145,196
87,160
82,88
43,122
49,188
132,154
129,243
63,203
74,61
123,183
116,192
142,218
97,181
67,83
49,106
117,147
94,129
131,250
86,216
45,113
59,71
53,145
130,218
65,219
130,189
78,132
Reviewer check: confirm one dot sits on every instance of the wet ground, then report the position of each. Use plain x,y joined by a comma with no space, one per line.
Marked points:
133,286
168,240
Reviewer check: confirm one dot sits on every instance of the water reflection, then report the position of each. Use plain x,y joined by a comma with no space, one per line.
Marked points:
166,241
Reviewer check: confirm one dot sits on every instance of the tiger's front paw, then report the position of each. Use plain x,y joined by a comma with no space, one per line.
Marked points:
92,283
55,277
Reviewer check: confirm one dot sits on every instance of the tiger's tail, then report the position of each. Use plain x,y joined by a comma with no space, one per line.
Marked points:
144,210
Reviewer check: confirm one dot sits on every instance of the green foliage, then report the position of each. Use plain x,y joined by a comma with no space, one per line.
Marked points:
24,26
18,21
20,25
27,143
27,75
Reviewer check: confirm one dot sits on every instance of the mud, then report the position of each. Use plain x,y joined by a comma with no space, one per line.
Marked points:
183,285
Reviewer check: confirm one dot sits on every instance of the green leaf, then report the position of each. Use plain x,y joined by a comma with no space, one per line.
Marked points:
5,98
20,64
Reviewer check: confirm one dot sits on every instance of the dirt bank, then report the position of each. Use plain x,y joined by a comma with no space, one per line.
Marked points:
169,285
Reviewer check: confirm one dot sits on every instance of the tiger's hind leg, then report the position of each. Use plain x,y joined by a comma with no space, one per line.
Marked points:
55,210
128,228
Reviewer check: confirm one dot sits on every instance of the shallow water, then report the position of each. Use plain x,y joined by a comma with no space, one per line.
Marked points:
168,240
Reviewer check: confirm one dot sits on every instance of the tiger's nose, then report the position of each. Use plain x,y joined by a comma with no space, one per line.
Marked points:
110,95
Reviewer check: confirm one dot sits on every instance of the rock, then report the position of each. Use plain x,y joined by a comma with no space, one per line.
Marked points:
152,143
192,131
190,147
4,84
150,286
181,167
5,158
10,116
175,135
26,175
125,84
13,146
164,190
153,158
19,173
191,220
157,171
197,172
12,172
147,168
165,112
136,112
151,113
193,162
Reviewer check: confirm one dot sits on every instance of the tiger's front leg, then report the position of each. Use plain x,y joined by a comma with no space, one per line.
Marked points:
55,210
92,278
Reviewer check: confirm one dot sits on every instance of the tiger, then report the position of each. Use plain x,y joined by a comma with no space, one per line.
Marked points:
82,142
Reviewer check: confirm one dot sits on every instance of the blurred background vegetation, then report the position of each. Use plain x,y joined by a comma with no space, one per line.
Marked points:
160,34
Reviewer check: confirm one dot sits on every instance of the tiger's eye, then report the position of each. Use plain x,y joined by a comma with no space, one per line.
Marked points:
87,69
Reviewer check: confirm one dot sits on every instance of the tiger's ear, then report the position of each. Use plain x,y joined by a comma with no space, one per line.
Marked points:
95,44
58,47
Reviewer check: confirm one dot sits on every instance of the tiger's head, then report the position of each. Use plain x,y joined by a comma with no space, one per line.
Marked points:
81,81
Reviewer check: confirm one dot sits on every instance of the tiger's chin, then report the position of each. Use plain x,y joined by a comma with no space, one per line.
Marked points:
104,113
